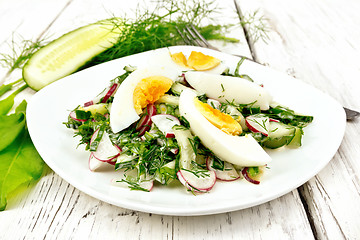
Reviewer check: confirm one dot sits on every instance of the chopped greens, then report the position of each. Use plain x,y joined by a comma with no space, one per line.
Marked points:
149,155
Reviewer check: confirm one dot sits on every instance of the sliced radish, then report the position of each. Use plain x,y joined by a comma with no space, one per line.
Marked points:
95,164
165,123
110,92
174,150
170,135
258,123
73,116
195,183
145,122
228,174
151,109
89,103
273,120
247,176
143,130
106,151
182,78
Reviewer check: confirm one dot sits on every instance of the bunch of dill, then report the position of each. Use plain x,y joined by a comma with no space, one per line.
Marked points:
156,28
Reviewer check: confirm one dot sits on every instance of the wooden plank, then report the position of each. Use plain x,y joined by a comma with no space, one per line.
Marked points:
53,209
318,43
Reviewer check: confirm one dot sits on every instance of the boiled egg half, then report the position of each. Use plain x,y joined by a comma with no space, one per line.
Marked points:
230,89
142,87
220,134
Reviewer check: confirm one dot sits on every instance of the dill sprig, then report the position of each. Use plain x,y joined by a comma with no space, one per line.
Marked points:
257,28
20,53
152,29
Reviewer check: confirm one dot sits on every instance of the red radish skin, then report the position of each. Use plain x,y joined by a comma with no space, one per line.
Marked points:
228,175
73,116
148,185
95,164
110,92
106,150
145,122
247,177
109,160
143,130
142,122
197,184
151,109
89,103
170,135
174,150
252,122
273,120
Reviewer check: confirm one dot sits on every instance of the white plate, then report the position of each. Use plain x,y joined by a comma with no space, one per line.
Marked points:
290,168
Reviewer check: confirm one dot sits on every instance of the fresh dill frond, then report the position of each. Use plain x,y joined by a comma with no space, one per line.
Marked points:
257,28
20,53
157,28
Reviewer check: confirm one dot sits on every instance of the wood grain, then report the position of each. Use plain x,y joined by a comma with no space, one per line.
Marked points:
304,37
318,43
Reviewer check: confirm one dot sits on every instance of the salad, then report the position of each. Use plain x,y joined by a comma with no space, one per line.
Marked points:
187,119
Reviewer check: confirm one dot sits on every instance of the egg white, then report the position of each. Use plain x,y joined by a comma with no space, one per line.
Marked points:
238,150
228,89
122,112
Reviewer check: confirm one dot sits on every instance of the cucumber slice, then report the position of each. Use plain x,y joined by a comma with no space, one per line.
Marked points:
187,154
280,134
296,141
68,53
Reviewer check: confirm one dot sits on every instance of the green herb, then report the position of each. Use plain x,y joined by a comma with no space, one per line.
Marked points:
7,87
133,185
20,54
222,87
198,172
255,26
217,163
194,143
236,72
7,103
149,30
82,115
288,116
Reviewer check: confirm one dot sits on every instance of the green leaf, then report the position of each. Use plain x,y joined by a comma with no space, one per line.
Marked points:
10,127
5,88
20,163
7,103
21,108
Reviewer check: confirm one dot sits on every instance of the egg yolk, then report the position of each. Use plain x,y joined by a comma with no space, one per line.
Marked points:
222,121
179,58
201,62
149,90
197,61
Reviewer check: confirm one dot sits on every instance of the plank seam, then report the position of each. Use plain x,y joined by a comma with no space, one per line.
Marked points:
307,210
